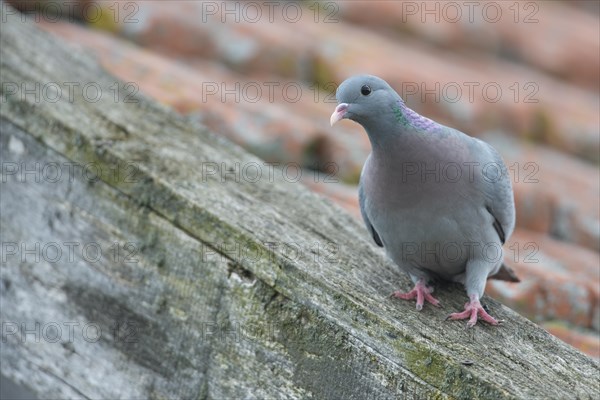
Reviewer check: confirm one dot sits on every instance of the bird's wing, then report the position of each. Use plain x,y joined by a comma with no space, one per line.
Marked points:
496,185
363,212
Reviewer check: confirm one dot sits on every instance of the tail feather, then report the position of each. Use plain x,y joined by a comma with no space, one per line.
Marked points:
505,273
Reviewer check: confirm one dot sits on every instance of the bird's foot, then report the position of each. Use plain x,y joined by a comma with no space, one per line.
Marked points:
422,292
473,309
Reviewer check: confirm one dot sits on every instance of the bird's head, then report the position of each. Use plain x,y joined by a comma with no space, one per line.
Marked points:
364,99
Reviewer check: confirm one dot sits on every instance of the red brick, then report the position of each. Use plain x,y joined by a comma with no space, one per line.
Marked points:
558,280
563,116
538,33
554,193
276,129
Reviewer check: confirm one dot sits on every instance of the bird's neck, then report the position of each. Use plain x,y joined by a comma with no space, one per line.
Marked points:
411,120
410,127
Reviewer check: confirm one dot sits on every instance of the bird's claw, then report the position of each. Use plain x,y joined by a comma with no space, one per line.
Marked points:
421,292
474,311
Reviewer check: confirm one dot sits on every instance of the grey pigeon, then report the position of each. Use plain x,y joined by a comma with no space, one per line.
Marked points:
438,201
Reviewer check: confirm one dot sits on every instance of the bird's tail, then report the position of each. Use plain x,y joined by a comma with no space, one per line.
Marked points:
505,273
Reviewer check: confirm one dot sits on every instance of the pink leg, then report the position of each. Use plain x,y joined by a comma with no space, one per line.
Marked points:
422,292
473,309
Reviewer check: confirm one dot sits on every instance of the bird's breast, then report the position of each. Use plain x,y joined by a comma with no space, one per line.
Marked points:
416,205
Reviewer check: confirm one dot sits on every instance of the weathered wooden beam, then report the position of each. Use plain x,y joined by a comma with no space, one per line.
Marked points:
142,257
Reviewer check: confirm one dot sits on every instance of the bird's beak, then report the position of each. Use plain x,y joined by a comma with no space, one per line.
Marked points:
339,113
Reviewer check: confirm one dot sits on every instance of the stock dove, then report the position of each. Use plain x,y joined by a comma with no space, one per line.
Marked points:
438,201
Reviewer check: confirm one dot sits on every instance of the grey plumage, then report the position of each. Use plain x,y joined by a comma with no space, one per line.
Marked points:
438,201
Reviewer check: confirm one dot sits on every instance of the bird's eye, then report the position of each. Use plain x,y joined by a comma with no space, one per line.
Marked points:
365,90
